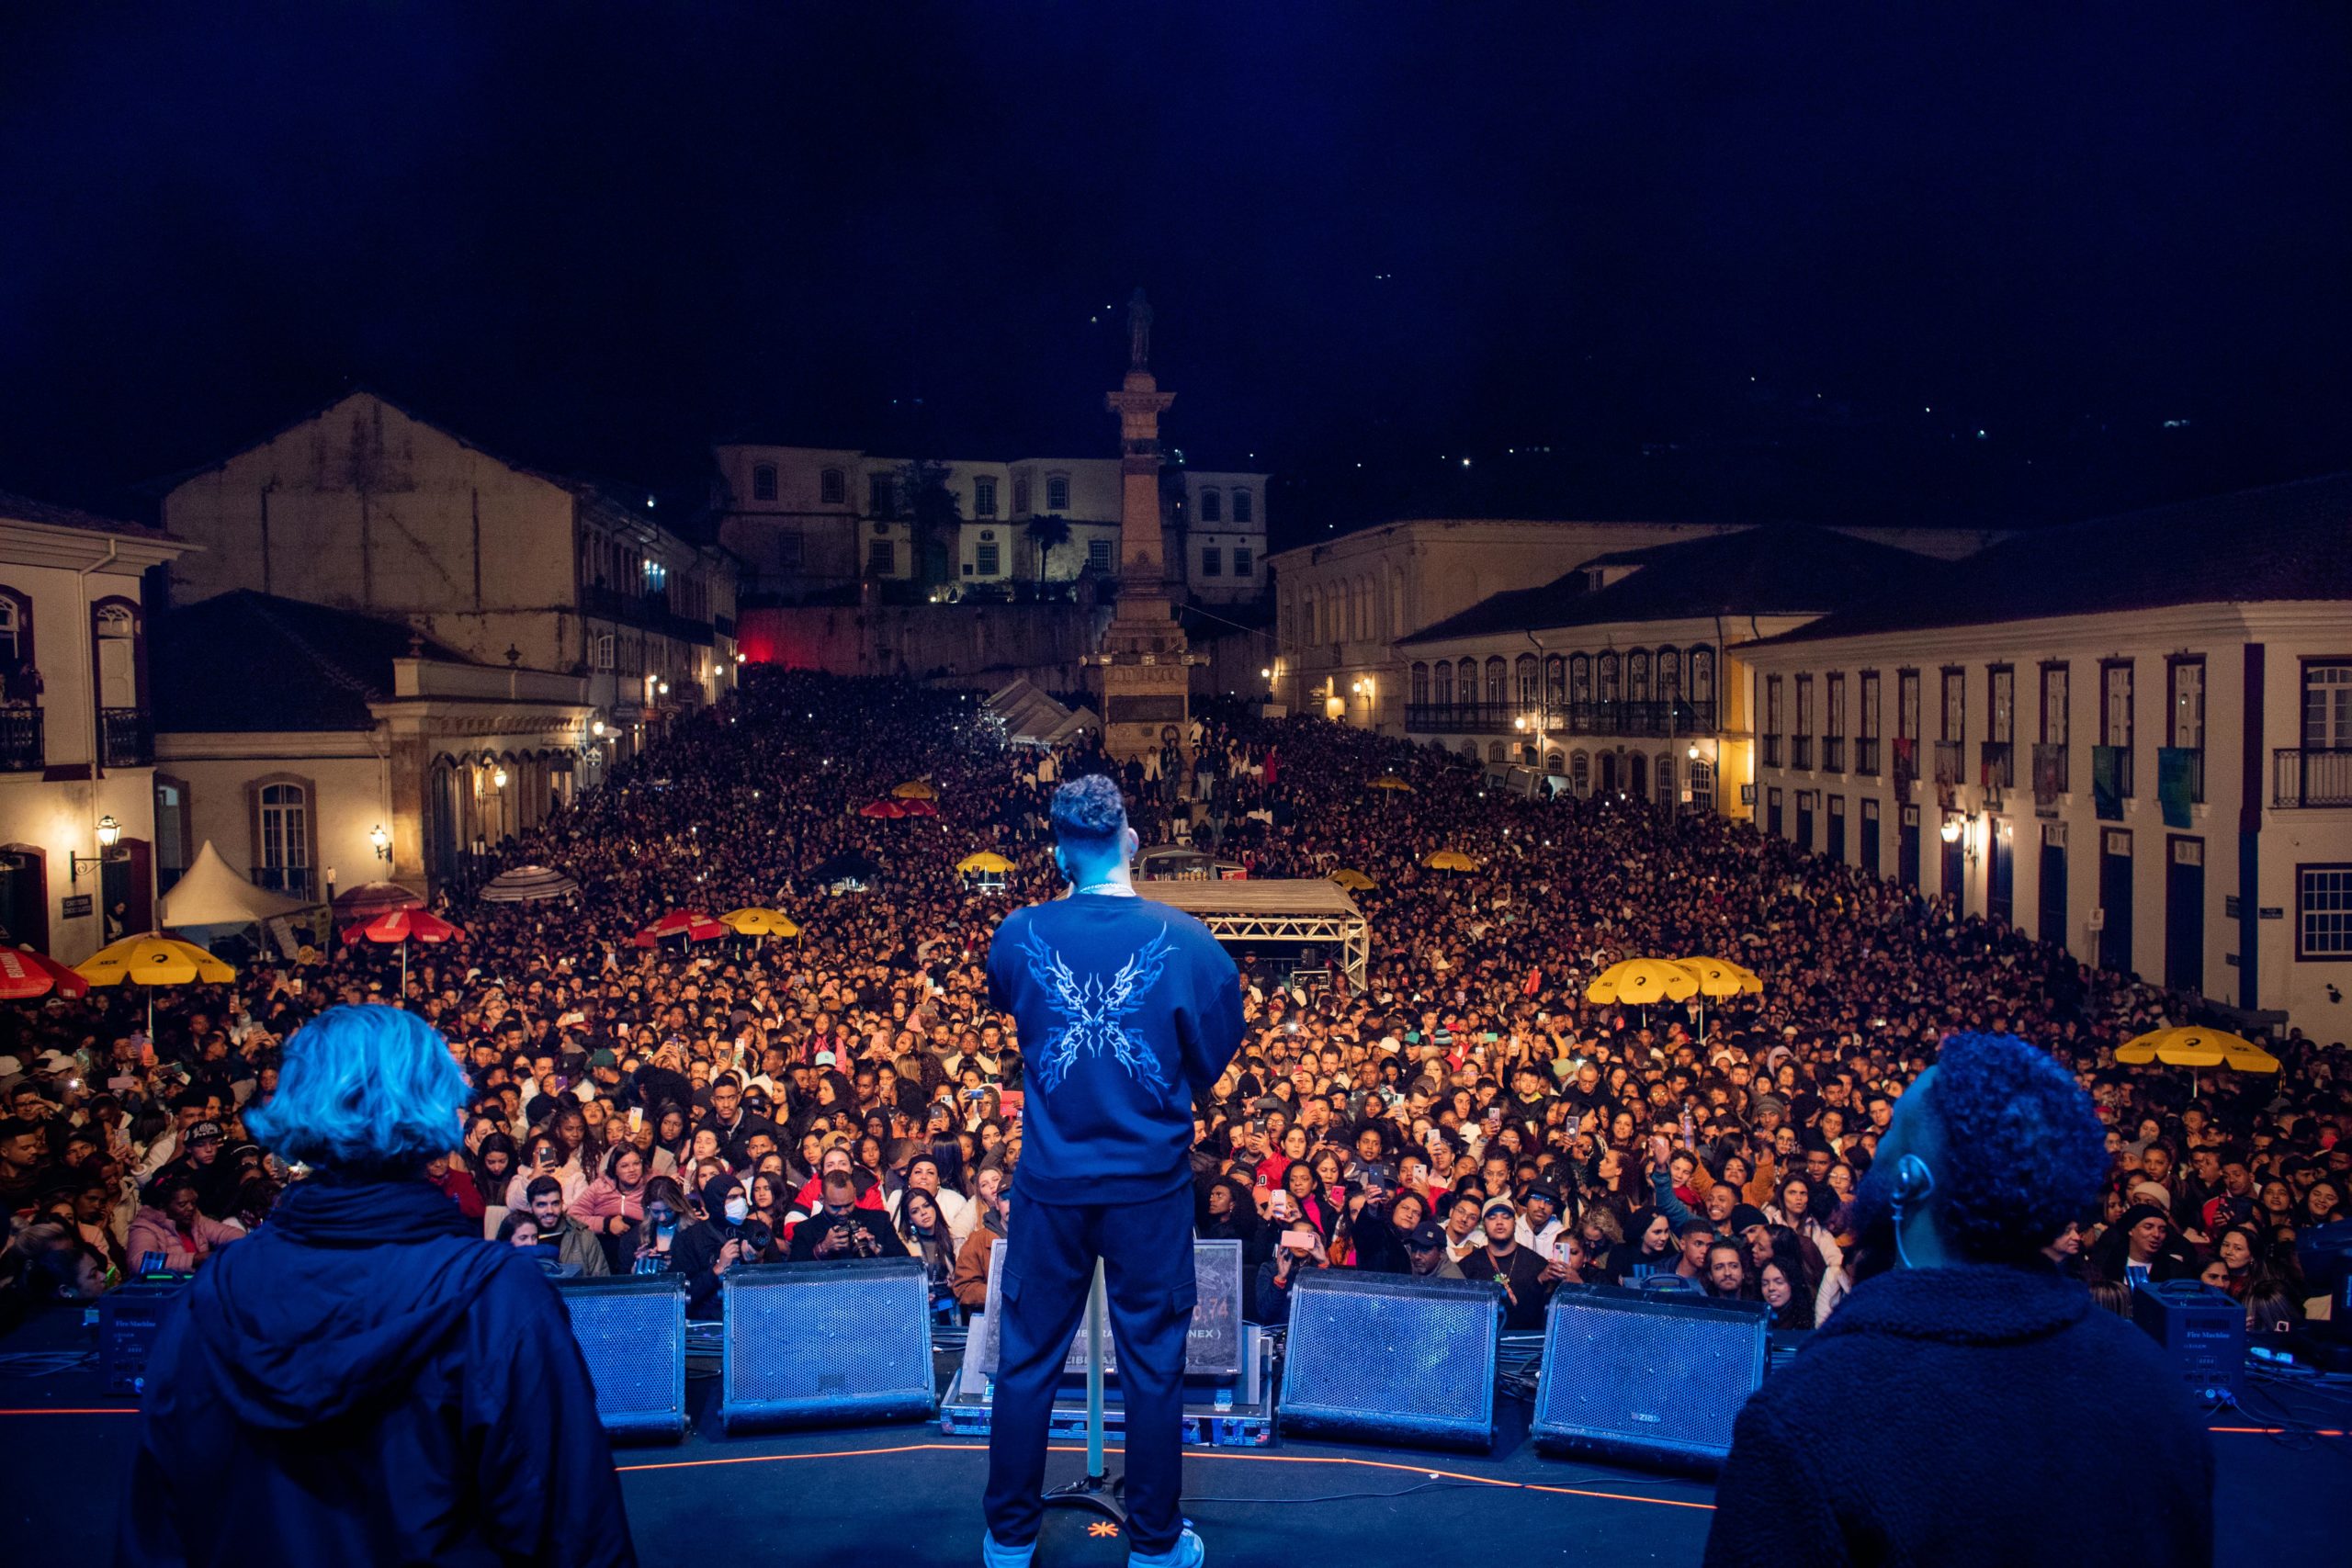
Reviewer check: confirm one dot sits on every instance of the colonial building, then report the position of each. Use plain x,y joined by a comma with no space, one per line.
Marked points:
2131,737
77,821
1625,676
316,748
1342,606
365,507
810,521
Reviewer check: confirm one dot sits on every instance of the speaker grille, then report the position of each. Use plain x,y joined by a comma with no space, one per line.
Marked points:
1212,1345
821,1342
1388,1355
632,1332
1647,1375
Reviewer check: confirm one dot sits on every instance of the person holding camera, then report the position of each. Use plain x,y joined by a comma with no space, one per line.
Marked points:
1298,1247
841,1230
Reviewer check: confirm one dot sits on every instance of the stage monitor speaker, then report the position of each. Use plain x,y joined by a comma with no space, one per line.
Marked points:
2201,1332
632,1331
1653,1377
1212,1345
128,1319
1392,1357
814,1344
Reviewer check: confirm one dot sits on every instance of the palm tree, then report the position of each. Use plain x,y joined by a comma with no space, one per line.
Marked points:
1047,533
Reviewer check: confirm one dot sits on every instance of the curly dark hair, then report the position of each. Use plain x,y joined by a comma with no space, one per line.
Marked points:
2023,1151
1088,807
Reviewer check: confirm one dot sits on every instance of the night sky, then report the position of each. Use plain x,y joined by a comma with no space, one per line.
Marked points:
1690,260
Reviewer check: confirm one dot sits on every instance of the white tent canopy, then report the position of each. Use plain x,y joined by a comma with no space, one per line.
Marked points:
209,893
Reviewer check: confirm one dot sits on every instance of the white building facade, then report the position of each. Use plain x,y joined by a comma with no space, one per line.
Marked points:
2161,782
78,825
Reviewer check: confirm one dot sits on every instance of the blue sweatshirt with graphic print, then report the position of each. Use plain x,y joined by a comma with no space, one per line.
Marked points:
1126,1012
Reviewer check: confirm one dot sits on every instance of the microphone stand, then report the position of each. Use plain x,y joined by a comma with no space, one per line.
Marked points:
1096,1491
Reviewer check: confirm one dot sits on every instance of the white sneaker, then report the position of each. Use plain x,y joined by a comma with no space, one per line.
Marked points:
1187,1552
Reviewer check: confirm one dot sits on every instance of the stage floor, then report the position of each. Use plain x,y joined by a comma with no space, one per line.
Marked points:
904,1496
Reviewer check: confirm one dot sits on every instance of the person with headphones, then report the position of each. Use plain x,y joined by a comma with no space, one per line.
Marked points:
1957,1404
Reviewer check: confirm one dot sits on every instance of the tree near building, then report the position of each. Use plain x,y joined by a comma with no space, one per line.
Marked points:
1047,533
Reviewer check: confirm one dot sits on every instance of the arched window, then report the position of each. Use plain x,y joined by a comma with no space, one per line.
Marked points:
16,662
1307,618
1244,510
1607,677
1363,609
1703,674
1466,686
1470,749
1212,506
1555,681
1496,673
1581,772
1443,691
1057,492
1495,752
763,483
1703,787
832,488
1524,670
1554,763
1637,676
1420,687
1581,678
1021,495
1666,797
285,835
1670,675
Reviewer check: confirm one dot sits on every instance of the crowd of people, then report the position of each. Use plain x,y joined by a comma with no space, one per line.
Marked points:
849,1091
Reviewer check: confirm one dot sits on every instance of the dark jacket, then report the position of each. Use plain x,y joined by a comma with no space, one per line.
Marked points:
363,1380
1960,1415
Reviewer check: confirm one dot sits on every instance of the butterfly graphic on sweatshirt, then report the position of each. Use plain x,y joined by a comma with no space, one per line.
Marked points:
1091,1014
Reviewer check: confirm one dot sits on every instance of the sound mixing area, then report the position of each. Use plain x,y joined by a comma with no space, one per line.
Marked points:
830,1413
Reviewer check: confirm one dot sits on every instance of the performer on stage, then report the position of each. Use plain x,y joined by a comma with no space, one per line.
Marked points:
1959,1408
1129,1011
366,1380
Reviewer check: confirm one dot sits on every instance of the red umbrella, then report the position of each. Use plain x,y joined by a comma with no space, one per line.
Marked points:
917,808
692,924
25,974
402,925
882,808
370,899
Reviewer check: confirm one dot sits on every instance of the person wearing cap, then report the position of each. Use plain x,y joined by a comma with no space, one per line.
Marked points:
1516,1272
1540,1225
1425,1246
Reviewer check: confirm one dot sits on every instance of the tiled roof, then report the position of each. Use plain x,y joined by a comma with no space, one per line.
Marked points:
25,509
1778,570
2281,542
253,662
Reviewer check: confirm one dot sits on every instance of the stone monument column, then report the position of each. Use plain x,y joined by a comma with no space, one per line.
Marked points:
1143,663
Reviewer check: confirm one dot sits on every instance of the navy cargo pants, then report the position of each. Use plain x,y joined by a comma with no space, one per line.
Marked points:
1147,1252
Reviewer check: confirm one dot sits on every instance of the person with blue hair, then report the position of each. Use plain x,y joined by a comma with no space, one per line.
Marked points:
1958,1407
366,1380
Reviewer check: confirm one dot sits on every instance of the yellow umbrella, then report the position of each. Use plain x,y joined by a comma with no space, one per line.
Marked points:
1717,976
153,959
986,860
2198,1048
1450,860
758,922
1352,880
1641,981
915,789
150,960
1390,781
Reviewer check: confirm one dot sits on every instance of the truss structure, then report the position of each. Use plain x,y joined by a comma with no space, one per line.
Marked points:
1299,910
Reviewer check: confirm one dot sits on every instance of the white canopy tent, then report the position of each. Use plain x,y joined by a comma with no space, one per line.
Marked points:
209,893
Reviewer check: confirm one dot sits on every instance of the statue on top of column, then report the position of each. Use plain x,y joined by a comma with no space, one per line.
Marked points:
1139,331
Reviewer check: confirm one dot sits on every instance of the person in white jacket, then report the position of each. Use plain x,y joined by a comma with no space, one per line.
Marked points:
958,1211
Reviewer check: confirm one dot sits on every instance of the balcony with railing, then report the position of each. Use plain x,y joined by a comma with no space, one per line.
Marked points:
651,611
126,738
1950,762
1623,718
1771,751
294,881
2050,768
1801,752
2311,775
1866,756
22,749
1997,764
1833,753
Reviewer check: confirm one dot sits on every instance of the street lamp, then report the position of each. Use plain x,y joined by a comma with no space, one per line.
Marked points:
382,839
110,834
597,729
1949,831
498,778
